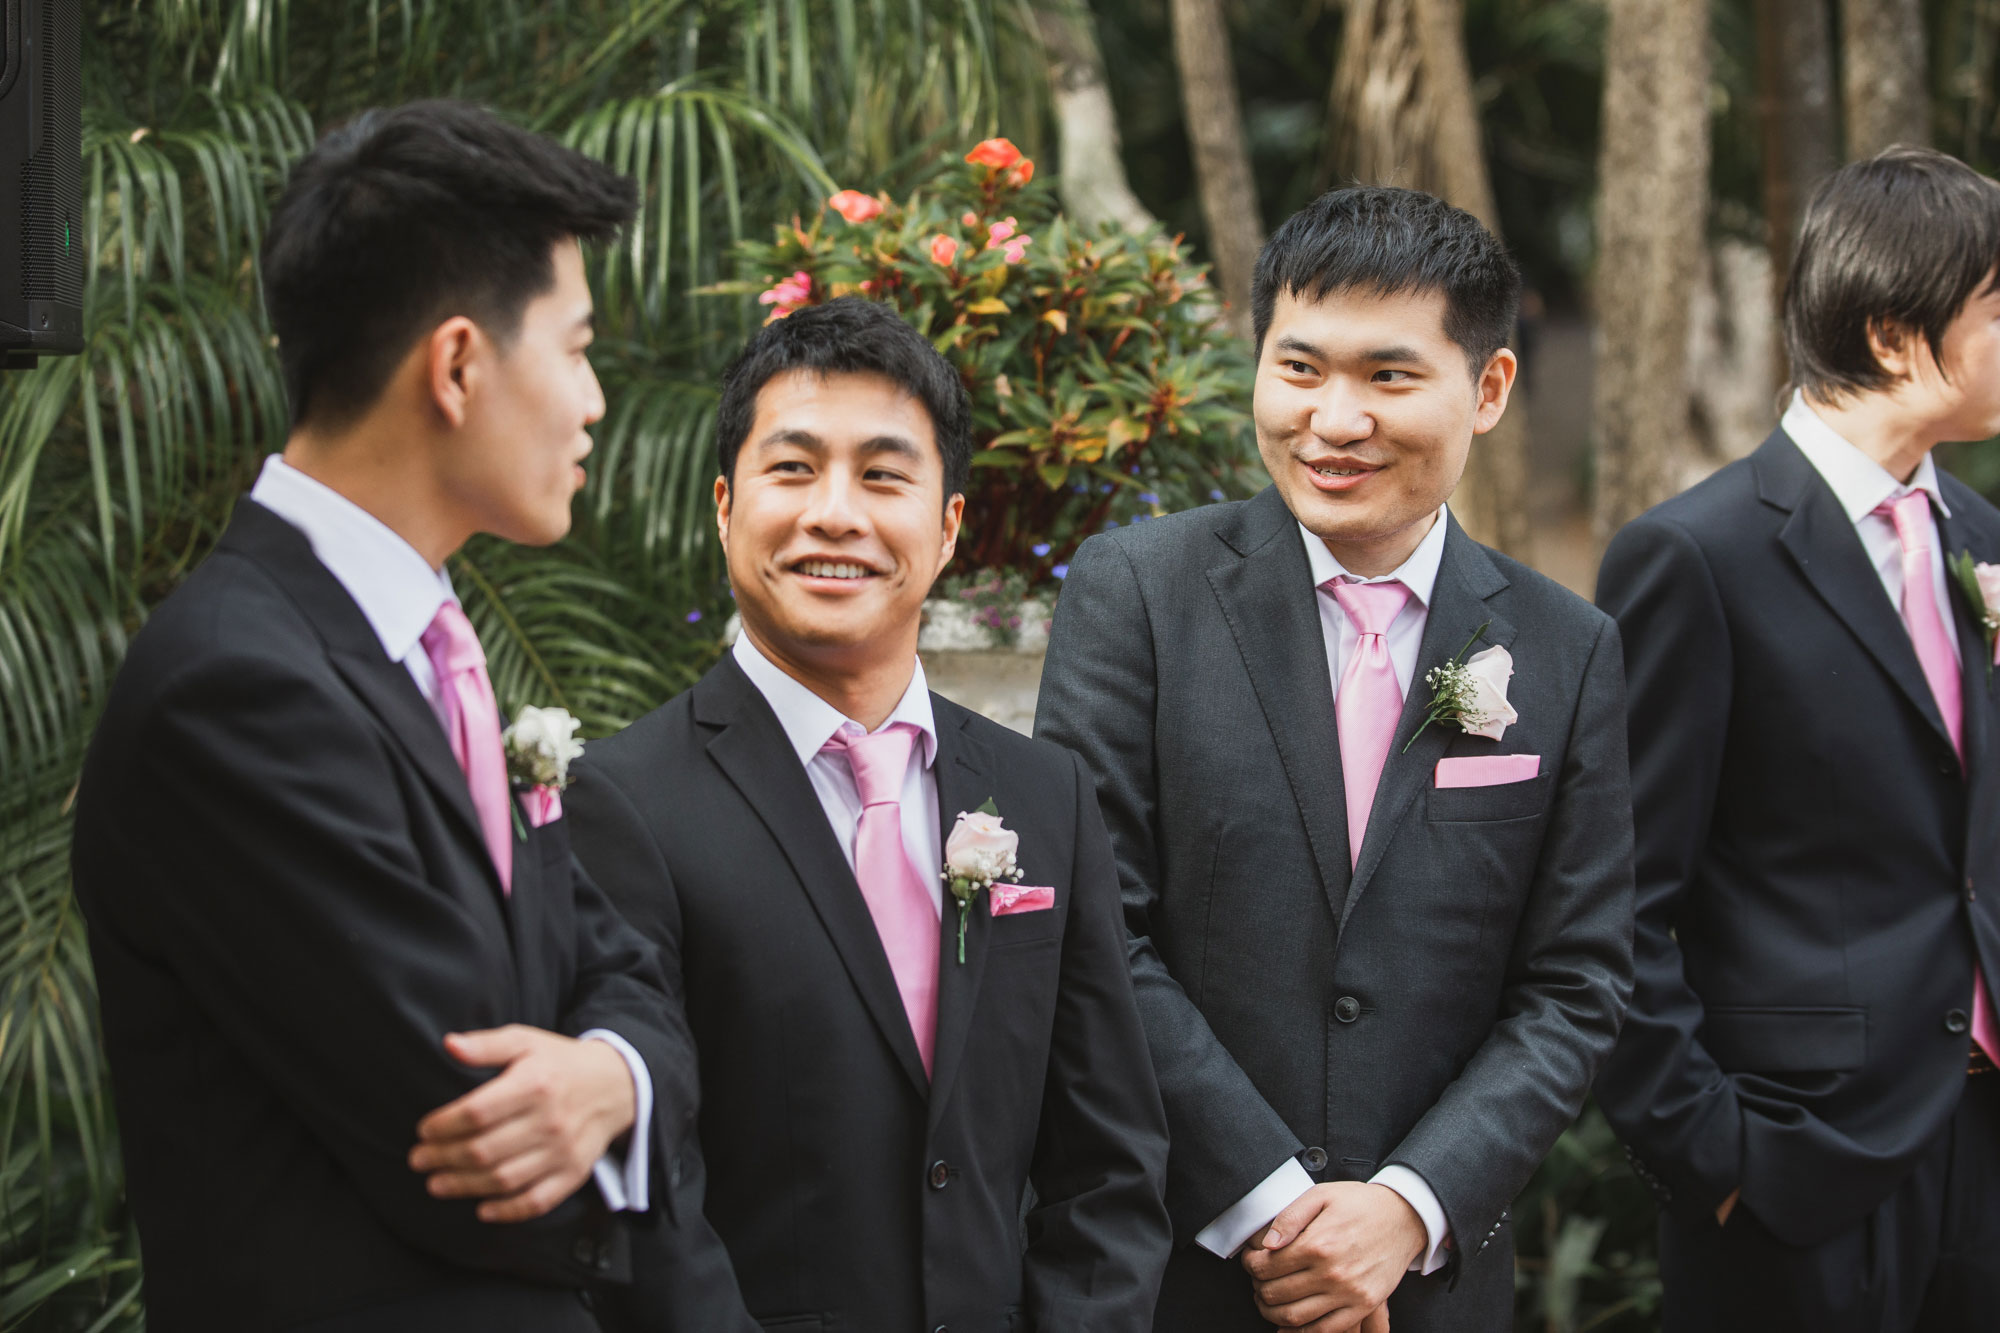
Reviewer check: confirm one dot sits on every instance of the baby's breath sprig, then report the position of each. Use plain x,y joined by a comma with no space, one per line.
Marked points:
1452,697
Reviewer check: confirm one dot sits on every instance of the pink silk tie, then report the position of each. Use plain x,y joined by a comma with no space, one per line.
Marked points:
1916,530
898,896
472,723
1370,702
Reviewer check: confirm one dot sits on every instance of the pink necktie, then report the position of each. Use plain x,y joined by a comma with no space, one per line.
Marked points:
1916,529
898,896
472,723
1370,702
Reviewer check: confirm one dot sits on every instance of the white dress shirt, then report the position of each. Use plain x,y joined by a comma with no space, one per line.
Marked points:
1860,484
399,594
1230,1232
809,722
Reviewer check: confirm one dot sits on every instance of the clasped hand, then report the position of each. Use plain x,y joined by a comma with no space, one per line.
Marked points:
525,1140
1329,1262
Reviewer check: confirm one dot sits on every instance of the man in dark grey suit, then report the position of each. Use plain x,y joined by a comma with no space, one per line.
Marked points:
1379,894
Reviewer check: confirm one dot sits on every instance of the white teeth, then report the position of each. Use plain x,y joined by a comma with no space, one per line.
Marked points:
827,569
1336,472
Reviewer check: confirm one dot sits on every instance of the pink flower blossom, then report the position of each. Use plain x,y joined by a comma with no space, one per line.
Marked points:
943,250
1017,249
789,294
970,219
994,153
855,206
1000,231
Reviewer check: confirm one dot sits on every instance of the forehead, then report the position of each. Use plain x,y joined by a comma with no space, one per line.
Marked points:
840,407
1356,316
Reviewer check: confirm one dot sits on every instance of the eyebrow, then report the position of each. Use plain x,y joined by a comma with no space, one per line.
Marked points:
1396,353
1288,343
798,438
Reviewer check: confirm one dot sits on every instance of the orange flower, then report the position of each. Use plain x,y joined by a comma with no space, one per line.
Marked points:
943,250
1023,172
997,153
855,206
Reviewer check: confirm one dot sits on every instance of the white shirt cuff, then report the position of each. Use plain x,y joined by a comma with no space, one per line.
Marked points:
624,1185
1420,1197
1232,1231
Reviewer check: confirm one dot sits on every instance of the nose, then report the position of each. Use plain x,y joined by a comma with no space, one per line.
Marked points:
1339,416
593,398
835,508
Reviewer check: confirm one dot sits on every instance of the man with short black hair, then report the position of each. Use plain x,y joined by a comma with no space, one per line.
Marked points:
372,1035
1805,1078
1366,783
921,1109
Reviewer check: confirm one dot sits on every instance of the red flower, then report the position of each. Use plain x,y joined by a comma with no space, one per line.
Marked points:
855,206
997,153
788,295
943,250
1023,172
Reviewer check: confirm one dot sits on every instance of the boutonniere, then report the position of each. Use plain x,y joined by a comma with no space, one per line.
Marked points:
1471,692
539,747
1981,585
979,851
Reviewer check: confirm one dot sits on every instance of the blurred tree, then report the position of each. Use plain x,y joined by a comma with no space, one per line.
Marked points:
1797,117
1221,155
1088,151
1884,84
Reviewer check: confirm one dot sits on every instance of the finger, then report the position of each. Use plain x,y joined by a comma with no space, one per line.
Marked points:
537,1199
491,1103
1301,1285
490,1046
1377,1321
480,1151
1266,1265
1288,1224
497,1182
1298,1314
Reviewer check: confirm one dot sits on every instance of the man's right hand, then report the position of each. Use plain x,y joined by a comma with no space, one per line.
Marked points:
1330,1261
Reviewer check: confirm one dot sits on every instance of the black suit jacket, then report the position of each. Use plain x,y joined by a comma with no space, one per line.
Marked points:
1445,1004
289,906
1815,884
1017,1189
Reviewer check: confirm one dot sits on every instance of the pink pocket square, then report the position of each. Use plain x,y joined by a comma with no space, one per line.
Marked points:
542,804
1011,898
1488,770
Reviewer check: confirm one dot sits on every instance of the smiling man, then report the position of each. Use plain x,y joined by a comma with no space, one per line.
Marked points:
914,1116
1380,943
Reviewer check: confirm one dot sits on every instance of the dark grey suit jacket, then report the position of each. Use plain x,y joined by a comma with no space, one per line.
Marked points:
1446,1004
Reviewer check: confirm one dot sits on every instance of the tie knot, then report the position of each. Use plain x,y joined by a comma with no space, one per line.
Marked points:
451,643
1371,606
879,760
1911,513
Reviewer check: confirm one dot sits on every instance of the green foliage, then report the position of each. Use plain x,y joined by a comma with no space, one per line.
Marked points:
1584,1239
1103,390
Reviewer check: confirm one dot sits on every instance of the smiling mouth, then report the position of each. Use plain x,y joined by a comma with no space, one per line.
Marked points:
832,569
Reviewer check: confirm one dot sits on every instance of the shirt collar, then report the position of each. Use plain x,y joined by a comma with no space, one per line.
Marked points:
1858,481
396,589
810,721
1418,573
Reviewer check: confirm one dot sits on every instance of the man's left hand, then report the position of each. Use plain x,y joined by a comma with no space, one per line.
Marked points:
527,1139
1332,1258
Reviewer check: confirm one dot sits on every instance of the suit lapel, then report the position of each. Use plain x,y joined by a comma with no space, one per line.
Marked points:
1267,598
1957,534
752,752
964,782
1459,609
1823,543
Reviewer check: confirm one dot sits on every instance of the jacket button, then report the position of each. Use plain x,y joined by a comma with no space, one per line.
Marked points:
1347,1008
1956,1023
1314,1159
940,1175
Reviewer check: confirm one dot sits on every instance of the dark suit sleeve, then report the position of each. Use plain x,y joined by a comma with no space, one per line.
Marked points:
1098,696
1098,1237
1663,1092
296,912
682,1278
1569,977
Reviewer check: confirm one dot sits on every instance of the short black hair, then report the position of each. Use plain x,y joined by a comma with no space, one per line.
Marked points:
1389,241
848,335
1907,236
402,219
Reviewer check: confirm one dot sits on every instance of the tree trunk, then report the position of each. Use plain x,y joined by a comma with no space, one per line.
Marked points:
1092,183
1885,89
1796,117
1491,500
1653,211
1221,154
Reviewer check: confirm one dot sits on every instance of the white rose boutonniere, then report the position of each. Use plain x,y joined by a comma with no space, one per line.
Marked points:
1981,585
1471,692
539,748
979,851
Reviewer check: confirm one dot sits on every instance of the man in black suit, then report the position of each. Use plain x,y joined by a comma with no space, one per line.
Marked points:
1379,952
916,1115
370,1031
1816,771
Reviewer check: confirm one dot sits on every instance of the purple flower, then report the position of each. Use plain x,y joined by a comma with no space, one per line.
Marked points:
694,617
1110,523
1215,495
1060,571
1040,548
1149,498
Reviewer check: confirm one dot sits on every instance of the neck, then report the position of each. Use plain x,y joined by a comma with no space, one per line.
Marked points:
1385,555
865,690
377,470
1880,427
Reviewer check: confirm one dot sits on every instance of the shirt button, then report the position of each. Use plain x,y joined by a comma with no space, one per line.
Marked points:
1314,1159
1347,1009
940,1175
1956,1023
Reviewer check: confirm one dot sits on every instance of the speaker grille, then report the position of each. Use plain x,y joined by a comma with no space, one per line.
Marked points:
52,179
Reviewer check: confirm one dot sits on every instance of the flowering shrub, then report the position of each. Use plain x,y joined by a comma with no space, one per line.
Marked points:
1102,390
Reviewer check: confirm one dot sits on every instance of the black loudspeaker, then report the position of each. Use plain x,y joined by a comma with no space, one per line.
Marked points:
41,181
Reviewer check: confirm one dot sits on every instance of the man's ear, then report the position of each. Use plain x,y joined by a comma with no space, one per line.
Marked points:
722,498
954,516
1895,347
451,356
1496,384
